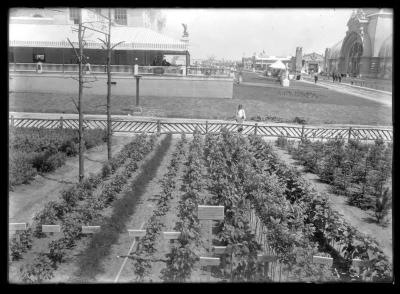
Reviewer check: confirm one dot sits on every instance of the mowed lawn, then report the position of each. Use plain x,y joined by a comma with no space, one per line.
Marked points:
268,101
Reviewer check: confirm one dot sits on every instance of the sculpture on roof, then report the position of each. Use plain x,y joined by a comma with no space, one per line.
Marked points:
185,33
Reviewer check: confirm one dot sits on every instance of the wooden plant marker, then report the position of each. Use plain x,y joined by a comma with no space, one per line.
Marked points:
266,259
359,263
90,229
171,237
323,260
17,227
218,250
51,228
207,214
137,234
209,262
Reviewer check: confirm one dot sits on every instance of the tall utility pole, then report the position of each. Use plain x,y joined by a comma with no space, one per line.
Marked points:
109,134
80,60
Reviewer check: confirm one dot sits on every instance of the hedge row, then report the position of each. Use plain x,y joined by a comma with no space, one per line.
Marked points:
33,150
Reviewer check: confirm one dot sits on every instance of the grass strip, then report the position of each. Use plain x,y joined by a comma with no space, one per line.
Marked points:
99,247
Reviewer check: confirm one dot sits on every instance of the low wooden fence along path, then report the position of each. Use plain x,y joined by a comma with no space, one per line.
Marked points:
178,127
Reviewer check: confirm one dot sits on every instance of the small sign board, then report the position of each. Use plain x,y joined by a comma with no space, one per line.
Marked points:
266,258
323,260
137,233
209,261
219,249
51,228
360,263
17,226
171,235
206,212
90,229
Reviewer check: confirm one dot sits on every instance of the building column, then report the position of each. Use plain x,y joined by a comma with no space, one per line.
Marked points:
364,67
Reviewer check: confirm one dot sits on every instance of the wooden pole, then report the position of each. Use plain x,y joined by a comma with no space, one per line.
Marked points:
348,138
206,126
255,129
81,167
302,132
61,122
12,120
158,126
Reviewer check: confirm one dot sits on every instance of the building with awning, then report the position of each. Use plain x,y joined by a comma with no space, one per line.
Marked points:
48,43
366,49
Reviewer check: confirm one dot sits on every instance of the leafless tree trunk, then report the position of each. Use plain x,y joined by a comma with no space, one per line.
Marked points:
81,142
109,134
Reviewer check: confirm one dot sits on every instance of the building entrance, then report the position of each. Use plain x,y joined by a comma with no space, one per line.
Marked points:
355,53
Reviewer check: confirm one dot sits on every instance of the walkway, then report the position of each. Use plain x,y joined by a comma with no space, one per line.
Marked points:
382,97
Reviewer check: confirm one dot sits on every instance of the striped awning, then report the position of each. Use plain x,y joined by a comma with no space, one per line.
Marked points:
55,36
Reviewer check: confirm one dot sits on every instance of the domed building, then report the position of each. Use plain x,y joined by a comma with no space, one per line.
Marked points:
366,50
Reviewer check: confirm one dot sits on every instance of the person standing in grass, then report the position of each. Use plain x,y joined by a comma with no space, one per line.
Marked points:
316,77
240,117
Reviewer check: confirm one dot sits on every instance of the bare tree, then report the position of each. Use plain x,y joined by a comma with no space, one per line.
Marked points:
81,32
107,43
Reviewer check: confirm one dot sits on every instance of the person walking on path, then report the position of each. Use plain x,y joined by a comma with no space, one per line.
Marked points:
240,117
316,77
340,78
333,77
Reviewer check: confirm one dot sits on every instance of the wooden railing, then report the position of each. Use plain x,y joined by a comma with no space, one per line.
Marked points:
123,69
139,126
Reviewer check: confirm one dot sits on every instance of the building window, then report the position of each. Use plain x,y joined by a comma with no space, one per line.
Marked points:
74,15
120,16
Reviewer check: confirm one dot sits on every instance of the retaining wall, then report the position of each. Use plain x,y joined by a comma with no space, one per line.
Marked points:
157,86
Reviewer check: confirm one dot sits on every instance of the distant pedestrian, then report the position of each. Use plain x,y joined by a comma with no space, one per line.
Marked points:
240,117
333,77
316,78
340,78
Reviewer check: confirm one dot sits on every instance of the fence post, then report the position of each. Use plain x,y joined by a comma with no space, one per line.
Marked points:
12,120
302,133
348,138
206,126
158,127
255,128
61,122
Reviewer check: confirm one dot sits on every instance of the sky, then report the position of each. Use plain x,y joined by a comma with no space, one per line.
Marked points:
234,33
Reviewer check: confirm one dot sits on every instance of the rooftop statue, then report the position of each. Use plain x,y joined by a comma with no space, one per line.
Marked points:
185,33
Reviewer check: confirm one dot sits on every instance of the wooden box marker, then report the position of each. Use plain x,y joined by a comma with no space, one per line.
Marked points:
206,212
359,263
219,249
323,260
209,261
90,229
171,235
51,228
137,233
17,226
266,258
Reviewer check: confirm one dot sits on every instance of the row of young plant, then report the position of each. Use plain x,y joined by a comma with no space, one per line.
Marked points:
90,264
142,257
235,180
33,150
80,205
360,171
325,225
185,253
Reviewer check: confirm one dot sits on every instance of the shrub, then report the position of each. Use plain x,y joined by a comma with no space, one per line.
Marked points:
20,244
49,215
382,205
21,169
40,270
70,148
